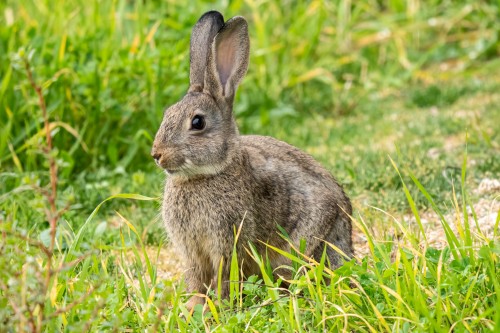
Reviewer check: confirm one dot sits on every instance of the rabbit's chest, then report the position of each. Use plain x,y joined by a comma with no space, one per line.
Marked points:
202,213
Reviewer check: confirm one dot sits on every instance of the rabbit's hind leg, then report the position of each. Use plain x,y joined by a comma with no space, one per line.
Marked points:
341,237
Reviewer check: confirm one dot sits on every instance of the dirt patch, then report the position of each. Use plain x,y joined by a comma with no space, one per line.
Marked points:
486,209
168,264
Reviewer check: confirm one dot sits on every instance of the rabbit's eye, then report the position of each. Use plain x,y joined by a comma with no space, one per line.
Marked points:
198,123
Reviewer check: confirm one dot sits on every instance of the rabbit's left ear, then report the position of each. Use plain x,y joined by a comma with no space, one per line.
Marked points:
201,41
228,59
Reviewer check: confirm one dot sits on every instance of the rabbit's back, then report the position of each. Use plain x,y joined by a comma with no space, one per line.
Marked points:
296,192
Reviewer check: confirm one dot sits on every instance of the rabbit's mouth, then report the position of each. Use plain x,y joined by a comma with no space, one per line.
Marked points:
169,171
171,165
189,169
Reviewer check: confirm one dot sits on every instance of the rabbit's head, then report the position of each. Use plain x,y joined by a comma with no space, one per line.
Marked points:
198,135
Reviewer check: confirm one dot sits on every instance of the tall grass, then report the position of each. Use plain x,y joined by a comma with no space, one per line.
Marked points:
404,285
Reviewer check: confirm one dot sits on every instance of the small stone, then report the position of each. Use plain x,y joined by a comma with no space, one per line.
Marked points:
488,185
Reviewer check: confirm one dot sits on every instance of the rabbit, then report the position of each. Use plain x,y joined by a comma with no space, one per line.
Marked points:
218,179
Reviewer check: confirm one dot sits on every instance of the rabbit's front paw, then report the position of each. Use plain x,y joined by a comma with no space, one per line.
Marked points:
193,301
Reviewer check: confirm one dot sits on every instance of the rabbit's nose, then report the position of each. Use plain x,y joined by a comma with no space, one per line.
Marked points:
156,156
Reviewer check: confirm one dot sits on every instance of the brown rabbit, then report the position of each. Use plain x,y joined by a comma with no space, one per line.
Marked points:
218,179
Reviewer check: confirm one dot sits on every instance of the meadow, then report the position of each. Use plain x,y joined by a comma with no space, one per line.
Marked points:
399,100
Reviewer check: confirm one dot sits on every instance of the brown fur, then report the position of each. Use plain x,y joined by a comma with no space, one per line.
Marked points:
217,178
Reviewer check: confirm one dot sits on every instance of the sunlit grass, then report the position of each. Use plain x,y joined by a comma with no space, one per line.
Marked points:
403,284
398,100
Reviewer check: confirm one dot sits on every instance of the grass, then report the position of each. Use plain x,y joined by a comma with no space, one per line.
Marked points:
399,100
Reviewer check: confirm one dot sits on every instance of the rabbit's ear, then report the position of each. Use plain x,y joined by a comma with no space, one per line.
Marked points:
201,41
228,59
